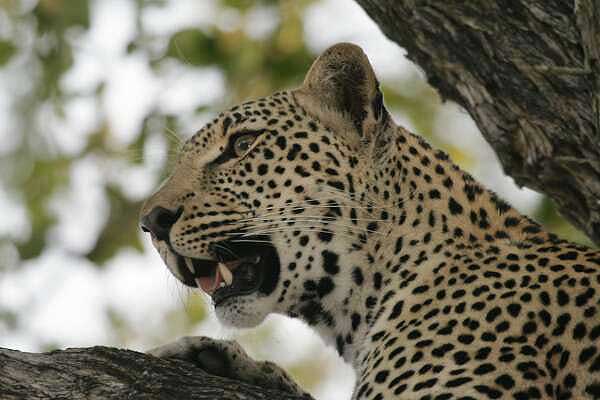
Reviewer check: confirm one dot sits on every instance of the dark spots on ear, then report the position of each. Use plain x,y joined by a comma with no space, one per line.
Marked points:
330,262
349,86
377,104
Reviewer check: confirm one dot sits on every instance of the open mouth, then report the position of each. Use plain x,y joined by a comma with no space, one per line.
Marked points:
241,268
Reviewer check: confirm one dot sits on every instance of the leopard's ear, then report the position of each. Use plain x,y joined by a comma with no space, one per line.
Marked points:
341,88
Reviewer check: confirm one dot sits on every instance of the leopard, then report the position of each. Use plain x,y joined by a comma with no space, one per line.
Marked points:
313,203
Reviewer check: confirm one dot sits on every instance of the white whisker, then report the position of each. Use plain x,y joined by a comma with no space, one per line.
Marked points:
294,222
282,211
294,217
305,228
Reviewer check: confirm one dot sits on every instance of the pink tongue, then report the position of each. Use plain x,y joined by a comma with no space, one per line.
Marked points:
209,284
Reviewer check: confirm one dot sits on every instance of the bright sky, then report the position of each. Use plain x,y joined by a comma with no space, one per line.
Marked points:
60,297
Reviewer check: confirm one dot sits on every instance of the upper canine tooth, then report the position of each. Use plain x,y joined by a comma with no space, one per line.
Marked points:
188,263
225,273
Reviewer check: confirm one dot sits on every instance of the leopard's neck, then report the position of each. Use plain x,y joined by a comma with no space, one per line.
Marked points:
415,211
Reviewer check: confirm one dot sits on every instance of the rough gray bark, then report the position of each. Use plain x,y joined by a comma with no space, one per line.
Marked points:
528,72
107,373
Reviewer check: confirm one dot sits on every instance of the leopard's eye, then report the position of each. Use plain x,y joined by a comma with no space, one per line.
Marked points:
238,145
242,144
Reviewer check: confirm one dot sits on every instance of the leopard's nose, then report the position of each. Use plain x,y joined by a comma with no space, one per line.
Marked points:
159,222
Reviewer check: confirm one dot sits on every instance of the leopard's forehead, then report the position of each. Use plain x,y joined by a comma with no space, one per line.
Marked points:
256,114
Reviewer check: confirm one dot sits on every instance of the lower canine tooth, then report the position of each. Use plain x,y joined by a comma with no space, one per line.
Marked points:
188,263
226,274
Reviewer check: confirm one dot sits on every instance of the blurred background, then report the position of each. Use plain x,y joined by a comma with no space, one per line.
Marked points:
96,97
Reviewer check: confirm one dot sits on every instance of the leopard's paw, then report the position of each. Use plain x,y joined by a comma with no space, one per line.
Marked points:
226,358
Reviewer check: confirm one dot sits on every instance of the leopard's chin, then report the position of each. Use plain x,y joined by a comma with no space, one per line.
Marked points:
239,268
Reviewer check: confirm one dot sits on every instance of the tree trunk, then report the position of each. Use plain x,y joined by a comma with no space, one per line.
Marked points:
528,72
105,373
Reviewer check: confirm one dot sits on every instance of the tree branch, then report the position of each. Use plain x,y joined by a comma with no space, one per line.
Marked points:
107,373
528,72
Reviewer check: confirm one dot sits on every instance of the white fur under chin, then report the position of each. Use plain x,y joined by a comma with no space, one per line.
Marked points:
240,312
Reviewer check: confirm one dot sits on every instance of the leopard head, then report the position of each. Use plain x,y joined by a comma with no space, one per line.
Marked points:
264,200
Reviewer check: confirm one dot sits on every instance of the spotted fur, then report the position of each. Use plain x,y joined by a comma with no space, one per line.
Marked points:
430,285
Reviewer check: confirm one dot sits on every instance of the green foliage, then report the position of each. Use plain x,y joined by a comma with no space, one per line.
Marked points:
121,229
47,176
253,67
55,16
552,220
7,50
194,47
195,310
